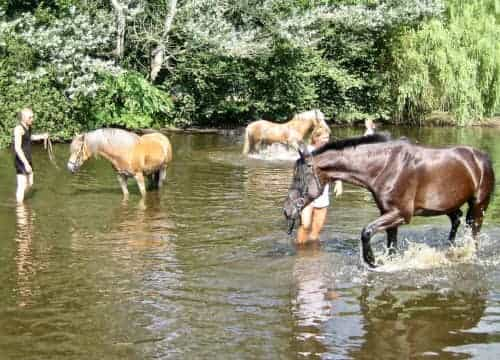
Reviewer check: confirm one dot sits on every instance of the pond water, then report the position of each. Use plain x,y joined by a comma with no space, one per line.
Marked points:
205,268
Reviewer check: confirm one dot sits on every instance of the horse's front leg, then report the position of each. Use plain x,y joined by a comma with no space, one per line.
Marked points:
139,177
392,240
122,179
387,221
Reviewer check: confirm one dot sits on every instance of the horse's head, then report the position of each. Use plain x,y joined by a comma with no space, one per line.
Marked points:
305,187
320,122
78,153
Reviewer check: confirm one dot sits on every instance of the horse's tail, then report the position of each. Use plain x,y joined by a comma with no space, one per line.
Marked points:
487,180
153,180
246,145
169,153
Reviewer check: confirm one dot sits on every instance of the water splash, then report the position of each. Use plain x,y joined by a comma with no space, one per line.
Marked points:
276,151
421,256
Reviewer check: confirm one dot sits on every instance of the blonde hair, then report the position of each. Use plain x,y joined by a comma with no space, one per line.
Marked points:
318,134
23,113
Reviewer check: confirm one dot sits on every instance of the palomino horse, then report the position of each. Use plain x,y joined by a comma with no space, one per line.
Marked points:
405,180
131,155
263,132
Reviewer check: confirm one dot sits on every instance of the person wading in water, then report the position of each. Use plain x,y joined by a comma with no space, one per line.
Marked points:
22,151
313,216
369,127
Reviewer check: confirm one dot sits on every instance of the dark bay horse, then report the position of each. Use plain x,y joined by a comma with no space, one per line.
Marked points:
131,155
405,180
291,133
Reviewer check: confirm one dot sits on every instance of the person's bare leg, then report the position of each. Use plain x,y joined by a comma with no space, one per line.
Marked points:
305,226
22,184
30,181
318,221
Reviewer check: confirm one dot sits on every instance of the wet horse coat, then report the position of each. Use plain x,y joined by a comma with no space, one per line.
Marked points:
131,155
263,132
405,179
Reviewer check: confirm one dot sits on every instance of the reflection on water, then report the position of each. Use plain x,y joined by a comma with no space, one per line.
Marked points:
24,261
411,322
205,268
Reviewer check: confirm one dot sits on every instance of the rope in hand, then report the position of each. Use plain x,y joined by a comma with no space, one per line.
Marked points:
47,145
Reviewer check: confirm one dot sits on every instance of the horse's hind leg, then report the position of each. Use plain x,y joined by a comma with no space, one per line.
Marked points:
162,175
474,218
455,223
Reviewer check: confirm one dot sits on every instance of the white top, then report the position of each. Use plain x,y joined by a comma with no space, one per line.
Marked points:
369,131
324,199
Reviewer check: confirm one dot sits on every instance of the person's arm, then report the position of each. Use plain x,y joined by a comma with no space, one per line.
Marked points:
18,138
38,137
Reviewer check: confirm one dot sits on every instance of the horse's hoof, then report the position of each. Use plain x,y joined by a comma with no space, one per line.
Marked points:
370,266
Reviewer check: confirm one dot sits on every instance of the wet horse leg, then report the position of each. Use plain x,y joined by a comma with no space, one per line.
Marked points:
162,176
139,177
474,219
387,221
122,179
455,223
392,240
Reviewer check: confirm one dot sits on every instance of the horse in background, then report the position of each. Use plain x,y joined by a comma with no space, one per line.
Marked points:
405,180
130,155
291,133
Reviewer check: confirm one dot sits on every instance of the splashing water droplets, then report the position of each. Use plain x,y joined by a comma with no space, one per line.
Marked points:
276,151
421,256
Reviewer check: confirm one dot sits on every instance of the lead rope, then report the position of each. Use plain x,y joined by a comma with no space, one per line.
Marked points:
47,145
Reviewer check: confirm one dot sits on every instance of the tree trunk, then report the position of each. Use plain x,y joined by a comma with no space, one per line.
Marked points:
158,53
121,19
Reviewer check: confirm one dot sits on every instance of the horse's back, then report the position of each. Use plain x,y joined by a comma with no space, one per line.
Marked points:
152,152
264,130
463,170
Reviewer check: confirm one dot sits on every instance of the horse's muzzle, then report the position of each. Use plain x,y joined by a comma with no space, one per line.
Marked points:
291,213
72,167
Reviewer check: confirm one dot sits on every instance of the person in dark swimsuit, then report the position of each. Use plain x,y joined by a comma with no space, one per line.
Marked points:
22,150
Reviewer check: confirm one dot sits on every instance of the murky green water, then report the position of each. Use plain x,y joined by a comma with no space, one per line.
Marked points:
206,270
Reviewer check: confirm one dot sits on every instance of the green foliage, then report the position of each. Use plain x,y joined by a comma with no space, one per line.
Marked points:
230,62
52,110
130,101
453,66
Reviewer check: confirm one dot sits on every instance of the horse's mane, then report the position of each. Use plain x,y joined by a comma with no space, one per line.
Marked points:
352,142
117,138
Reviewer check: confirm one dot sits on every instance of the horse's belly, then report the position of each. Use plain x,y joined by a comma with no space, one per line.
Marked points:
442,202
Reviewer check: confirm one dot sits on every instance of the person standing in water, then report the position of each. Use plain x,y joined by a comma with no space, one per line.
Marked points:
22,151
313,216
370,127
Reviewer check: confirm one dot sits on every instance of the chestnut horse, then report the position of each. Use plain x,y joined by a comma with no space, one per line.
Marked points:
291,133
131,155
405,180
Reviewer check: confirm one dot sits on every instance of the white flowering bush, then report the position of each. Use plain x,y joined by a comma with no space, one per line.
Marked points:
74,48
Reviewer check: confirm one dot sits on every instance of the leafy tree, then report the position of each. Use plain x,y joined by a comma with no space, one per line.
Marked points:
451,66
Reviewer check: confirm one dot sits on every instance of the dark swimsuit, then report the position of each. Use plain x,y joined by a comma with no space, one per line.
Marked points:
26,146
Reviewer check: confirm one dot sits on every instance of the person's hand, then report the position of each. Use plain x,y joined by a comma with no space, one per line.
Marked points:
338,188
28,168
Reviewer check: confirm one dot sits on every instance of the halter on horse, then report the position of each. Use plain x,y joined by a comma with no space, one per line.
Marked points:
405,180
130,155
